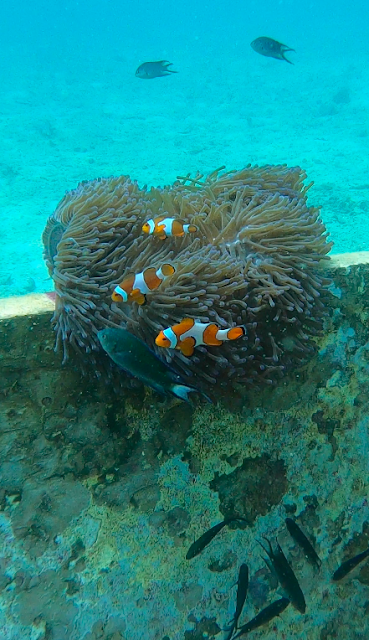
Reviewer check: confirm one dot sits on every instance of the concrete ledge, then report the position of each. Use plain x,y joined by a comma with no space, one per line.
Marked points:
340,260
32,304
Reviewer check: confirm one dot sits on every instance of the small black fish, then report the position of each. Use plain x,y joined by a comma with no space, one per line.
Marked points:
150,70
304,543
266,615
271,48
203,541
242,587
350,564
284,572
135,357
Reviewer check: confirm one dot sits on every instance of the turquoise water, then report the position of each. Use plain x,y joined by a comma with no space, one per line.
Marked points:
72,108
104,487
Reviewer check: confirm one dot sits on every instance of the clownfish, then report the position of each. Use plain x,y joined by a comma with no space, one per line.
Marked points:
190,333
135,286
163,227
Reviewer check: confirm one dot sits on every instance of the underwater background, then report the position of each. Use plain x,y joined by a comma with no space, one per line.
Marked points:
72,109
126,515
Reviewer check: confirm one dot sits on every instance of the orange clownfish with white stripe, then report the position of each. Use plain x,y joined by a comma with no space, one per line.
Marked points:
190,333
135,286
163,227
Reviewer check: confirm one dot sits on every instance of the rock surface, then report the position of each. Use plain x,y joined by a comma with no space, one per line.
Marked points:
102,494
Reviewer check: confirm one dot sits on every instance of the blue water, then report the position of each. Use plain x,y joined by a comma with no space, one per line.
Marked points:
72,109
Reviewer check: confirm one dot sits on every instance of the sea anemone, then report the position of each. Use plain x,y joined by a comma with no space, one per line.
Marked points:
255,260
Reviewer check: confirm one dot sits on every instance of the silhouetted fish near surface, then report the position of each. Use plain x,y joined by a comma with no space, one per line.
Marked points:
303,541
150,70
203,541
242,587
136,358
349,565
271,48
266,615
279,565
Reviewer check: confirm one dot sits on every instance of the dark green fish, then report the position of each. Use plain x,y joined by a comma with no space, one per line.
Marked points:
203,541
271,48
242,587
349,565
157,69
266,615
135,357
279,565
304,543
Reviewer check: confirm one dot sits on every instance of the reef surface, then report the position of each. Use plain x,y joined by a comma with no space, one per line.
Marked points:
101,494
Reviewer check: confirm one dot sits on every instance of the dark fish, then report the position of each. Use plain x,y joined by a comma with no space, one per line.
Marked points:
350,564
271,48
150,70
266,615
304,543
135,357
242,587
203,541
287,579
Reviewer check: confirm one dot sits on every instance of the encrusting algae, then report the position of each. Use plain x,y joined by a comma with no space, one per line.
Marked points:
246,253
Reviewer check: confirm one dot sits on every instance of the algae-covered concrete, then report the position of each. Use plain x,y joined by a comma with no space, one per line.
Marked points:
102,494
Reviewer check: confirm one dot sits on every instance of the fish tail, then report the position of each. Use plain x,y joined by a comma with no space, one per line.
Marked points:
182,391
189,228
235,333
167,270
167,64
284,57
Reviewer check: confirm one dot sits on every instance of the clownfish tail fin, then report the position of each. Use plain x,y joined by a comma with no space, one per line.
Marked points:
167,269
140,299
235,333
